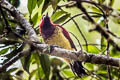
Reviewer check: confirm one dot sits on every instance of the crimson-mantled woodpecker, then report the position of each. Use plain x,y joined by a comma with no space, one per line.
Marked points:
55,34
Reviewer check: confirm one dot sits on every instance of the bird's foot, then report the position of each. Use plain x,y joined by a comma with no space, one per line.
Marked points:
37,42
51,49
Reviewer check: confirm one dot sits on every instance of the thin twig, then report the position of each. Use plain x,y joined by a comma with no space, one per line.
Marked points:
79,15
77,41
81,33
94,74
113,34
108,67
94,44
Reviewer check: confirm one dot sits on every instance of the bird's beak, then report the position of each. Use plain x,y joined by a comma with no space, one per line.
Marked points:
47,15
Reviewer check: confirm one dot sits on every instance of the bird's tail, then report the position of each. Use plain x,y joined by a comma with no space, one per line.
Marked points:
78,69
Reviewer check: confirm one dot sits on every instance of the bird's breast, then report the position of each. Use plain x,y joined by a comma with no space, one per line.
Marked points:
58,38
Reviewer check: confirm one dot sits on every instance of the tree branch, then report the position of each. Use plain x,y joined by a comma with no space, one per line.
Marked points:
87,57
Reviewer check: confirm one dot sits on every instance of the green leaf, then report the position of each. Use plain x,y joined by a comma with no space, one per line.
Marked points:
67,72
34,19
62,19
89,66
12,70
116,19
3,51
32,74
39,2
45,5
31,5
103,42
57,14
56,62
15,3
39,69
5,76
1,27
114,53
95,9
45,64
111,2
54,3
27,61
101,1
93,49
14,53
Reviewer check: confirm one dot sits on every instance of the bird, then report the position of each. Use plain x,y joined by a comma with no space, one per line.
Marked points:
54,34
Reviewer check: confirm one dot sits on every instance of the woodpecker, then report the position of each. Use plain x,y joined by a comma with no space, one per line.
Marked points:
55,34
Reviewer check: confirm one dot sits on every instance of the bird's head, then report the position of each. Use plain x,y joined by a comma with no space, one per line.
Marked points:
46,27
45,20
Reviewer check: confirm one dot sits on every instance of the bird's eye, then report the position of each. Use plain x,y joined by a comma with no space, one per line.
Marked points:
43,17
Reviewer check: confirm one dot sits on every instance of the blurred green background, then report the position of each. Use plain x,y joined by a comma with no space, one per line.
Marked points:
44,67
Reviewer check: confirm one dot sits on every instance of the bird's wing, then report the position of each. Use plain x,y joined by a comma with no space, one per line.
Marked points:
66,34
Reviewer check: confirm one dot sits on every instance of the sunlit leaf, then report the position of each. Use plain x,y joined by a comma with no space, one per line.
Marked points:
45,5
39,2
103,42
27,61
32,74
65,66
12,70
56,62
57,14
116,19
3,51
62,19
34,19
93,49
54,3
114,53
31,5
101,1
89,66
39,68
111,2
95,9
67,72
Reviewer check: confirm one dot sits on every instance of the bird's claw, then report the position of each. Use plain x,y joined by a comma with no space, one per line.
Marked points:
37,42
52,48
78,54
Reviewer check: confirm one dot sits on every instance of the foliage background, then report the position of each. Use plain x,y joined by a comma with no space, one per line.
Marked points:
44,67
